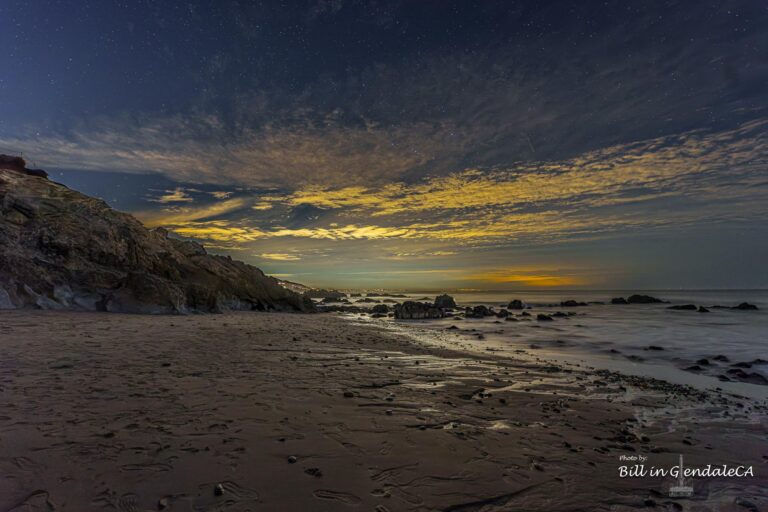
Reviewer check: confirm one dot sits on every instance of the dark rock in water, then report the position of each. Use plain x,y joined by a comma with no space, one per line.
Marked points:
684,307
479,312
742,365
379,315
694,368
380,308
503,313
60,249
314,472
325,294
704,362
341,300
541,317
643,299
752,378
218,490
516,304
411,310
702,309
572,304
340,308
619,300
722,359
560,314
366,301
654,347
511,319
292,459
745,306
452,328
445,301
525,313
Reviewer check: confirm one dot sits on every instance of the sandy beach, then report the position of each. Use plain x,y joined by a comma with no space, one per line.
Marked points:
315,412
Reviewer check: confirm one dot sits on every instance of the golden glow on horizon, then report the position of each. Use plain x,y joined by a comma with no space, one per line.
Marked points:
532,280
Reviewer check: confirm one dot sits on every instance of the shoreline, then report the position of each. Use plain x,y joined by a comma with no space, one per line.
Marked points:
138,412
462,339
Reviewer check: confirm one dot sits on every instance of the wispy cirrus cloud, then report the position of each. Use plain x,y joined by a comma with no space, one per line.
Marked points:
200,149
177,195
279,256
694,164
653,184
185,214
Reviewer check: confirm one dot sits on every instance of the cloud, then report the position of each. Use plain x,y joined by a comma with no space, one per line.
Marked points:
278,256
690,164
177,195
198,149
182,215
658,184
436,112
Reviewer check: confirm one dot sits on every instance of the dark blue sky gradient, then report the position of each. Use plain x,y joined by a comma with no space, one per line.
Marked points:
169,109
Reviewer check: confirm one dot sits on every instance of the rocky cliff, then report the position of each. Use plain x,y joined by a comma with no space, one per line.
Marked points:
60,249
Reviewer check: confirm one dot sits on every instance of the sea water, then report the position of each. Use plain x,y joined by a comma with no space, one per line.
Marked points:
642,339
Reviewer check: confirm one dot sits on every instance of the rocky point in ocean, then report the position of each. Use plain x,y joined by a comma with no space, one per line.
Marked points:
445,301
411,310
60,249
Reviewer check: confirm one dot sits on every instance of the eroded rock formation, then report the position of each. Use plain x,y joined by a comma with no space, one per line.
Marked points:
60,249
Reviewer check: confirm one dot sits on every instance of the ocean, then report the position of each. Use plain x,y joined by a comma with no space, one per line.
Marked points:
724,348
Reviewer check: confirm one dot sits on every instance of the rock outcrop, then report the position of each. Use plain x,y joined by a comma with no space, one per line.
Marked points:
411,310
324,294
19,165
572,303
445,301
380,309
644,299
60,249
478,312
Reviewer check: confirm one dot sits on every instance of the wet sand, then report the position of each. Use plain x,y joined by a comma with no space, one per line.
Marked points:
314,412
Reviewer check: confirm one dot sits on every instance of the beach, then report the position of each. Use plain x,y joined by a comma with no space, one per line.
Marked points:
282,412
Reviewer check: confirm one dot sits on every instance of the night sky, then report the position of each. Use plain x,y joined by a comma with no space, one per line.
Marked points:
413,145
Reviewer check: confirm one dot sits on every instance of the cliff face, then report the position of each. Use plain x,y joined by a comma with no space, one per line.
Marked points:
60,249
